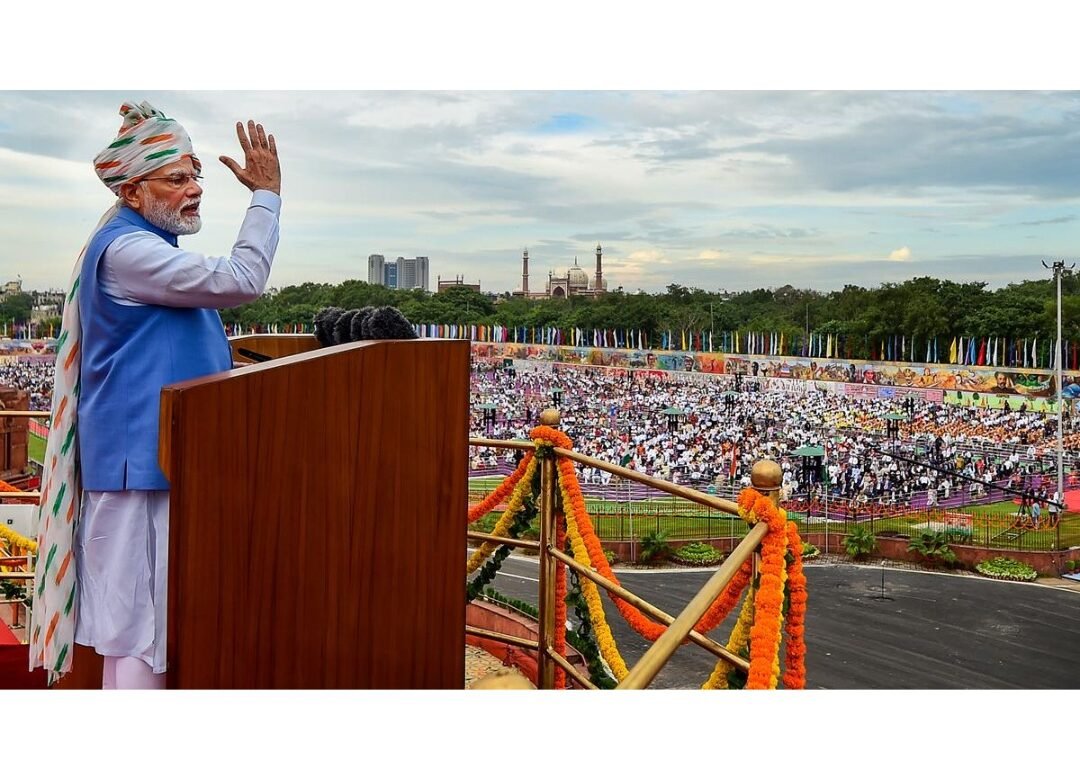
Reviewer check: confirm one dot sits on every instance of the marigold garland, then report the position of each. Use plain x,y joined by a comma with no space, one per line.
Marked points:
765,637
476,511
774,672
6,487
18,540
761,625
583,637
740,636
645,626
545,434
795,661
560,601
604,640
517,500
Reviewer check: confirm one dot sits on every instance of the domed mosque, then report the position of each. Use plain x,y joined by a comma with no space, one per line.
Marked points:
573,282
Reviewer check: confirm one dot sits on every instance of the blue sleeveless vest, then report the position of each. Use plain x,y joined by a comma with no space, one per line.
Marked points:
128,354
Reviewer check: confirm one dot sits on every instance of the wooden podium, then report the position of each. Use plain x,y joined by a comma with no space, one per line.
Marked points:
318,517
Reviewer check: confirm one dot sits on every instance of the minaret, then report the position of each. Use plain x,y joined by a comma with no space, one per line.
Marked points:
598,285
525,274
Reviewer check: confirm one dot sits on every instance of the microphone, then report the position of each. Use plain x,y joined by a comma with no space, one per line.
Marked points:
334,325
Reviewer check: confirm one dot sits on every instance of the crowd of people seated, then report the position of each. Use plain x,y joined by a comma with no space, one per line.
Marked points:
696,430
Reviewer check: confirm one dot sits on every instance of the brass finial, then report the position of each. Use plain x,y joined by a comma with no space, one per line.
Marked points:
504,680
550,417
766,475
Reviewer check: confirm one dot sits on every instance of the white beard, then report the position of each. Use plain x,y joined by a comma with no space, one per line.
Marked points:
158,214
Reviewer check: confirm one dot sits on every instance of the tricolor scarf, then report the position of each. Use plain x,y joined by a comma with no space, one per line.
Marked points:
147,141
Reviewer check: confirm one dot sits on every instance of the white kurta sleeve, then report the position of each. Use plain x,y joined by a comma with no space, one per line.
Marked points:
141,268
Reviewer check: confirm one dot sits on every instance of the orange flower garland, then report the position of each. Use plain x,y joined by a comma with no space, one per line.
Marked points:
646,627
604,640
560,601
476,511
6,487
763,610
506,520
765,636
727,600
795,666
545,434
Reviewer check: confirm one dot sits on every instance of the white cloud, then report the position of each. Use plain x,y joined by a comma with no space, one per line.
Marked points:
901,254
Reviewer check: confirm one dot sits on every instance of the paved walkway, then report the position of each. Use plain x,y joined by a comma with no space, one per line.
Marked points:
479,663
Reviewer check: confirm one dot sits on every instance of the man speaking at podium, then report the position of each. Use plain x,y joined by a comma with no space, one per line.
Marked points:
141,314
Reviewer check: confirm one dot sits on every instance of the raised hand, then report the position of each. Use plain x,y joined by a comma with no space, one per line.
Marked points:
261,170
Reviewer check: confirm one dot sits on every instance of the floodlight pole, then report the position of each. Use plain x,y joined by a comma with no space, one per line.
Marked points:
1058,267
828,489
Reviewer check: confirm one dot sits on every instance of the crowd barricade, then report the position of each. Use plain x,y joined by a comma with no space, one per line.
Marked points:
960,520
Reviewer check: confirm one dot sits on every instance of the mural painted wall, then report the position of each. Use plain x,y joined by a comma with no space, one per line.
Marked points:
1003,381
612,358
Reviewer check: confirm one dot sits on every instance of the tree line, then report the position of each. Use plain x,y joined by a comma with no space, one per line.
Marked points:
920,308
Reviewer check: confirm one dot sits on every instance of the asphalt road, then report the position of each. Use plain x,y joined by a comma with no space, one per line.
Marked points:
929,632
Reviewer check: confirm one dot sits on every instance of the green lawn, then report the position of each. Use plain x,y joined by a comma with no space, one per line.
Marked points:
36,448
681,519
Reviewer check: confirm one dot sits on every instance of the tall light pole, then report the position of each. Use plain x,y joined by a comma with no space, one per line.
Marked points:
1058,267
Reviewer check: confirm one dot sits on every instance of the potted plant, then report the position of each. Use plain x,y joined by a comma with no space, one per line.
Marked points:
860,543
933,547
654,547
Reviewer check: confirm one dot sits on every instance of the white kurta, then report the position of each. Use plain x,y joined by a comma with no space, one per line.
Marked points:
122,566
122,542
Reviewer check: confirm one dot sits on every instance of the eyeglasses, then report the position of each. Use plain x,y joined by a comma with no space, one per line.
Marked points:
177,180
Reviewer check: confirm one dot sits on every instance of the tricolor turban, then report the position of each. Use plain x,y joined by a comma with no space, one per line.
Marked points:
147,140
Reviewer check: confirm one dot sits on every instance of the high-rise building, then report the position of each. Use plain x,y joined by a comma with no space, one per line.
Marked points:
375,272
390,275
412,273
405,273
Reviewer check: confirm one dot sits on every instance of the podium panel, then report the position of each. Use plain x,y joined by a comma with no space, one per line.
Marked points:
318,518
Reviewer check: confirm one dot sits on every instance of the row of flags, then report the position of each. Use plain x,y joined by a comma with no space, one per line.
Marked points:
1022,353
9,329
1018,353
962,350
616,338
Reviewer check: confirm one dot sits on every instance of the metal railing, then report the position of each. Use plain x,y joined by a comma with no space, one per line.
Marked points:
22,576
680,628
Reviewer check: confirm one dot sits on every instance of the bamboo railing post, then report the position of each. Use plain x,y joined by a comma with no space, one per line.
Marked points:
766,477
548,497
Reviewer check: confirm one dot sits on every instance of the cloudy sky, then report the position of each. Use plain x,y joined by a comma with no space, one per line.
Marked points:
719,189
729,188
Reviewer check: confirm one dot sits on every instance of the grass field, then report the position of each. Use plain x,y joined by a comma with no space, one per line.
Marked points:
36,448
681,519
